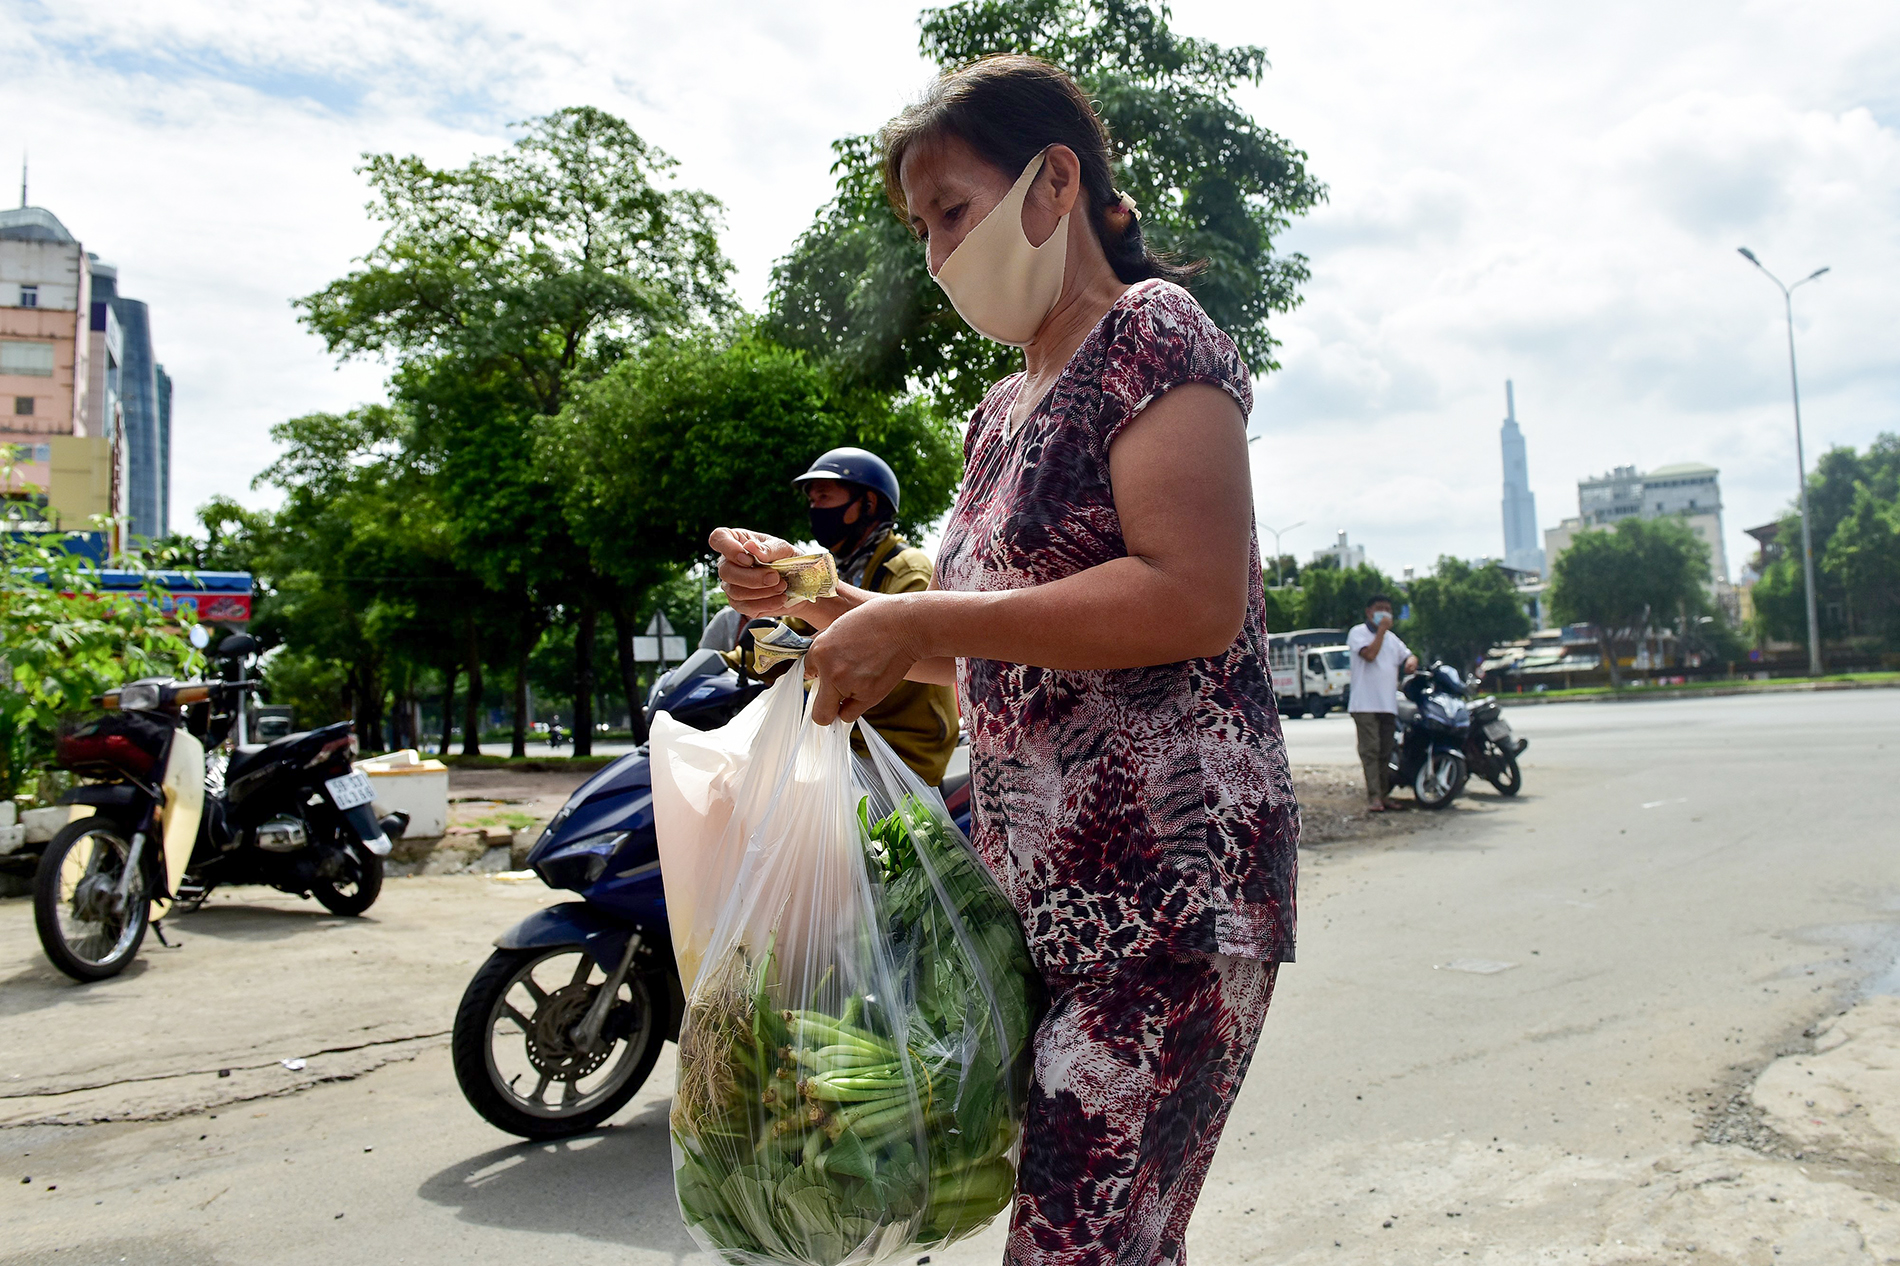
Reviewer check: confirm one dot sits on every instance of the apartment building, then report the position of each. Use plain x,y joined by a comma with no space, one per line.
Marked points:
58,378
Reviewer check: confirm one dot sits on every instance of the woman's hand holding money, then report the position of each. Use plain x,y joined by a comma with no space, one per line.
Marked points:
765,577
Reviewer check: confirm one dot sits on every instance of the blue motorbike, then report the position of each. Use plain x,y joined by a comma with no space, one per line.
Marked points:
1433,723
563,1024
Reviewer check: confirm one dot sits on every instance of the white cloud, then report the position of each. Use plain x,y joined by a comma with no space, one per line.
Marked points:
1533,193
1545,193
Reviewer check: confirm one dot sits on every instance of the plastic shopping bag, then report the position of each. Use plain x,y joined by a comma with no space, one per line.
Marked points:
854,1059
704,809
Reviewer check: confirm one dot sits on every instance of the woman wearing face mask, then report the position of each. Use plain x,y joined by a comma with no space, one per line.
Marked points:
1100,610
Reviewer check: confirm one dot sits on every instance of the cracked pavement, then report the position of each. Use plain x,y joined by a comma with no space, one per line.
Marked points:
1641,1014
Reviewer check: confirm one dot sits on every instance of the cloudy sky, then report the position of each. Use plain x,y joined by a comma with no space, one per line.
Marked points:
1547,193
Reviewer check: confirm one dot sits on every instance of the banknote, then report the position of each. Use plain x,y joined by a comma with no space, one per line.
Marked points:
808,577
776,645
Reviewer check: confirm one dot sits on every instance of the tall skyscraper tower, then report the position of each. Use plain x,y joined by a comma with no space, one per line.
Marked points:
1521,550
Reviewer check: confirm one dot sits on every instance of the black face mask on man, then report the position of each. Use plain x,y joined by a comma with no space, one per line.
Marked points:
828,527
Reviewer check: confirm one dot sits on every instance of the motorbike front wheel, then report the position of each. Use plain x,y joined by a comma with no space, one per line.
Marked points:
515,1051
86,926
1505,775
1438,781
354,887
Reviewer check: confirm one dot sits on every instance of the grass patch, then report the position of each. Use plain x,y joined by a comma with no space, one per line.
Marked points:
530,764
1743,684
513,819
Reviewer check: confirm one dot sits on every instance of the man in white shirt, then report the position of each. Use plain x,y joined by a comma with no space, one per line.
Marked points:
1377,657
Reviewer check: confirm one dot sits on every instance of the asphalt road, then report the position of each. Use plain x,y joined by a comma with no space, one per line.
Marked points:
1502,1042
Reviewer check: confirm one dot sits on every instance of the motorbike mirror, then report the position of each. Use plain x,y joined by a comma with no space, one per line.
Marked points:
237,646
199,636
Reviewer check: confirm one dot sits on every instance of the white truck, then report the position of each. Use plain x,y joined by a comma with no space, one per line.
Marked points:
1312,673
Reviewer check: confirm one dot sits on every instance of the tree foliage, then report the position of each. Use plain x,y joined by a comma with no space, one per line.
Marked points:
1212,183
541,263
1460,611
696,432
1335,598
1643,572
1855,500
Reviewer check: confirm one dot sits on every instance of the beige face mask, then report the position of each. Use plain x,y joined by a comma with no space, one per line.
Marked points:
1004,287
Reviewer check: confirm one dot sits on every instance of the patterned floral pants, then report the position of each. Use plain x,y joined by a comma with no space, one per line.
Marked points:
1135,1070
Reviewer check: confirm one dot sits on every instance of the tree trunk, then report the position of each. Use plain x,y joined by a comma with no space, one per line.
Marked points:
368,686
472,706
629,672
1606,642
519,747
448,706
584,679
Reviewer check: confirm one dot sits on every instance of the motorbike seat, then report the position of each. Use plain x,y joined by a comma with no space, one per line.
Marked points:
248,754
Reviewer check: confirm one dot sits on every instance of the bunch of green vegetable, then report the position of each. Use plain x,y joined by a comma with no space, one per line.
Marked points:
853,1122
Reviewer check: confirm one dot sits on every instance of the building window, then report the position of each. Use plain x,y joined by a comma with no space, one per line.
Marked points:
29,296
34,360
23,406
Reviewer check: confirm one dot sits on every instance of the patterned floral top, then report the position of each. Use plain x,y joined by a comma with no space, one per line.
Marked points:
1132,812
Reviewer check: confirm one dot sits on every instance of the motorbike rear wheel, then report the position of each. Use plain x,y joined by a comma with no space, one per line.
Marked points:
1436,784
1505,775
356,888
85,928
516,1025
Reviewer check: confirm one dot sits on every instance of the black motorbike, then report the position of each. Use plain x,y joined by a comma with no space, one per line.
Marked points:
1492,749
169,825
1433,723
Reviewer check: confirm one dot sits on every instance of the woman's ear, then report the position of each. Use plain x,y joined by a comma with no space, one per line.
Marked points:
1061,179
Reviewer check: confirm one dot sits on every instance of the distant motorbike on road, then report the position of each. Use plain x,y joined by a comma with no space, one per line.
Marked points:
167,826
1492,749
1433,725
561,1026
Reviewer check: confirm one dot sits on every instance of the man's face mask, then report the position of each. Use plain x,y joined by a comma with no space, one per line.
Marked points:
1004,287
828,527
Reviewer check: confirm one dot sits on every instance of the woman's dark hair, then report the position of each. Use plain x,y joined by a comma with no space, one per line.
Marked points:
1009,108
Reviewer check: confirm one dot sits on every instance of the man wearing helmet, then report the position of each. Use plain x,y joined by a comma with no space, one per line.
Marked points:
853,497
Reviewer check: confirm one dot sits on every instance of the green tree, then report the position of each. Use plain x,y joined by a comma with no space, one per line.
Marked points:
1335,598
1863,556
692,432
65,637
498,288
1846,492
1212,183
1644,572
1460,611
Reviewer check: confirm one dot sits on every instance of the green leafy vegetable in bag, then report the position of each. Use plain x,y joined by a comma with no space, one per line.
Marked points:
882,1123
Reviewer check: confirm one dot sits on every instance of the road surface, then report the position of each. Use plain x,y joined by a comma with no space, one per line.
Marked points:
1509,1037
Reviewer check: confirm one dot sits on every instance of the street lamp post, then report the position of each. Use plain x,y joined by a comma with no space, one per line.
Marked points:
1277,582
1800,458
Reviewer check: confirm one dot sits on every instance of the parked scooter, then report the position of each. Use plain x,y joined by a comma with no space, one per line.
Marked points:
162,834
1433,722
1491,749
564,1022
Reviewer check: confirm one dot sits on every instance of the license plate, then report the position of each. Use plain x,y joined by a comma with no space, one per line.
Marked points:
1498,731
351,789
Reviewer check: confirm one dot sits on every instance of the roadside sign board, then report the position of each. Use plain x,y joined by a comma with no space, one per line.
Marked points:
646,649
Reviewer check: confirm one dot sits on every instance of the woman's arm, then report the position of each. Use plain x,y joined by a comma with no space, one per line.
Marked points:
1180,478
